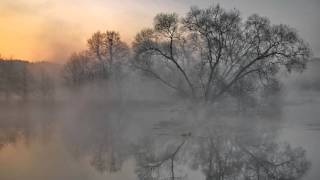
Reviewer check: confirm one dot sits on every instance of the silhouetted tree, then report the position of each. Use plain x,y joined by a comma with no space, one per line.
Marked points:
45,84
78,70
210,50
16,78
105,56
108,49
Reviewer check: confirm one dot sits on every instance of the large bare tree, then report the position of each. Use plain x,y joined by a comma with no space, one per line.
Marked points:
209,51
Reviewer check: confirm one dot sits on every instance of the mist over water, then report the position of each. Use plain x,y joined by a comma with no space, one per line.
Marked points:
102,133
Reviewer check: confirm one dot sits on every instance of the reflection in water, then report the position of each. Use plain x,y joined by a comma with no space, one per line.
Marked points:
222,152
162,142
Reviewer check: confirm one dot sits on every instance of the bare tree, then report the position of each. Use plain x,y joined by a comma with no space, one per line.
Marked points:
78,69
108,49
45,84
157,53
16,78
207,52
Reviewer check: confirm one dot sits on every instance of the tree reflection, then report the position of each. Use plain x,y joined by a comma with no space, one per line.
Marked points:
159,161
109,154
222,152
219,149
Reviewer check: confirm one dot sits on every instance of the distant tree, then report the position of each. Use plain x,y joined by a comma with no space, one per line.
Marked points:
16,79
210,50
104,57
96,45
78,69
45,84
25,81
108,49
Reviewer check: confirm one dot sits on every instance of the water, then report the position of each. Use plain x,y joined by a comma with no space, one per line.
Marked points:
84,139
302,126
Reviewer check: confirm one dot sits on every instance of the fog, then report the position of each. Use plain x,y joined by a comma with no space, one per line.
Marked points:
179,103
63,139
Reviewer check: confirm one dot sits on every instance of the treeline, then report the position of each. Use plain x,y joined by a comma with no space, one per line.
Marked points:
105,57
205,55
24,80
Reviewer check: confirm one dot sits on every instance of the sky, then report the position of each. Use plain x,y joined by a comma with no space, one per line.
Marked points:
50,30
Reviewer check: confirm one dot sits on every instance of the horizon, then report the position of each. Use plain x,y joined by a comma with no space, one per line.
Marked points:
47,30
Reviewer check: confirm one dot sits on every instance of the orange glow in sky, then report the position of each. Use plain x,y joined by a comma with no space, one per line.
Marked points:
52,29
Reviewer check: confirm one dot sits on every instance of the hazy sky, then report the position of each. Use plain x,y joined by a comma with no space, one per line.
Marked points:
52,29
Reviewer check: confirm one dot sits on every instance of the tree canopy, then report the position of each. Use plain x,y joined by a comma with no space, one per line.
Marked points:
209,51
